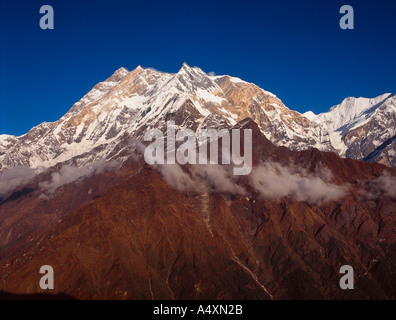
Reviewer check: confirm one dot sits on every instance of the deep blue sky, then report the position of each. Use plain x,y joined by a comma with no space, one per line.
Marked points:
294,49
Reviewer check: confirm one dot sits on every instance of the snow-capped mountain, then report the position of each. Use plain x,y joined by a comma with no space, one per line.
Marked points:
124,106
363,129
140,232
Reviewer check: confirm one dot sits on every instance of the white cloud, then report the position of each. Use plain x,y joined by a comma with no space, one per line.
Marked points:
274,181
384,185
270,180
14,177
68,174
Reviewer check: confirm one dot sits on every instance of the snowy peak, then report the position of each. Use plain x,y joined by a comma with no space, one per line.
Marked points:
187,69
118,75
362,128
126,104
350,111
191,71
190,79
310,115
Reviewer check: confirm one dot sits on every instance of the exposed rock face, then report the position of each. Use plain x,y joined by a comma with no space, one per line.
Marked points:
128,234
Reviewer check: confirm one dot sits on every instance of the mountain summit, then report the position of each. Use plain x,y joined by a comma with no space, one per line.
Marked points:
127,103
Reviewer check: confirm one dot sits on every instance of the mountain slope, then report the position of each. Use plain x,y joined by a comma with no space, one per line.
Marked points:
129,234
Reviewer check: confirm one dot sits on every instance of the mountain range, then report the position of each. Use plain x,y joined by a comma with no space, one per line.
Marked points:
129,102
77,194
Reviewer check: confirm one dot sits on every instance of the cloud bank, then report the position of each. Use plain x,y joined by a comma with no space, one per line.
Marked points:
274,181
271,180
15,177
383,186
68,174
387,184
215,178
